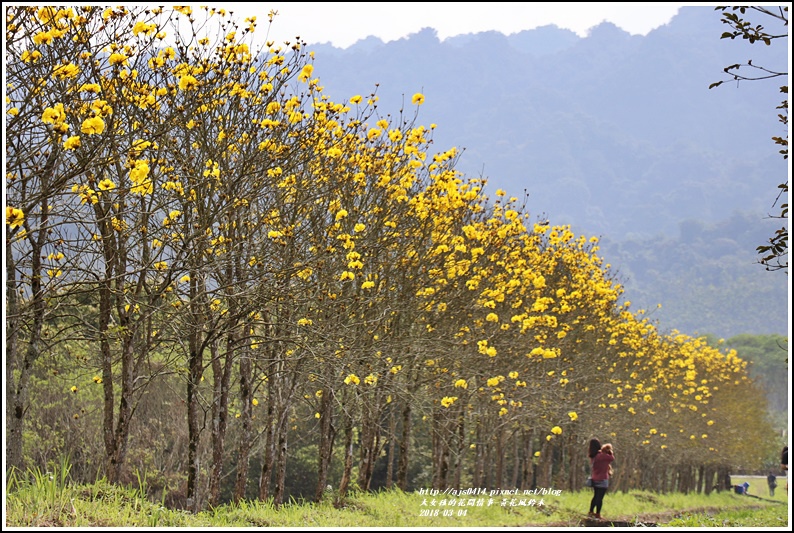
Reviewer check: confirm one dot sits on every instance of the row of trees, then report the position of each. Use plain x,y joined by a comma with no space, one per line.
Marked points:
195,229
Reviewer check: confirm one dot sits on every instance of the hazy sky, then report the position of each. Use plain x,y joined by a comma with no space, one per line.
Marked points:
344,23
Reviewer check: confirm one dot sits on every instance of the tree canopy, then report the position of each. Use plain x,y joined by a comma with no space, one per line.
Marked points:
205,252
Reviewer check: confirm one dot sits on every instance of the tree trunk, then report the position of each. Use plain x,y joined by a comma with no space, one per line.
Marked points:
461,448
369,442
392,447
499,471
16,391
281,463
195,371
700,477
122,430
479,465
526,474
326,447
269,451
348,461
221,377
405,446
246,397
516,462
194,430
18,404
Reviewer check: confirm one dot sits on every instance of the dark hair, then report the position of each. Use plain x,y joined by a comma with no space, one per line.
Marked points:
594,448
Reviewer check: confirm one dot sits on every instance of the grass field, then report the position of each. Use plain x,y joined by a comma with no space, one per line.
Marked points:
49,501
759,487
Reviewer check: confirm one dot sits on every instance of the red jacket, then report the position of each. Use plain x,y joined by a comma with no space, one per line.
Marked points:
600,466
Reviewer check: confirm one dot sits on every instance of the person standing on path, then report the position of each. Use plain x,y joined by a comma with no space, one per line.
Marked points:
601,465
771,480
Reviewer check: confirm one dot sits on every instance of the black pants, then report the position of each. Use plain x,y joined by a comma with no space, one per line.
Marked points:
598,499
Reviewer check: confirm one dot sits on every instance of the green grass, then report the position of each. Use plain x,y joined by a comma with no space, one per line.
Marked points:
751,518
45,499
759,487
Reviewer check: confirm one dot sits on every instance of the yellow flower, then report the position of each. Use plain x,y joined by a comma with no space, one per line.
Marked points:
493,382
352,378
461,383
142,27
254,402
69,70
74,389
97,379
188,82
273,108
71,143
14,217
106,185
28,56
557,430
117,59
306,73
93,125
53,115
43,37
418,99
356,99
573,415
446,401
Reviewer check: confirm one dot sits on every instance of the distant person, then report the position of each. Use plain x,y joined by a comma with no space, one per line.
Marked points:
601,466
771,480
784,464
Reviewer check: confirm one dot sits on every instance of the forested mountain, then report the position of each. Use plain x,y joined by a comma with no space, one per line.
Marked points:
617,135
